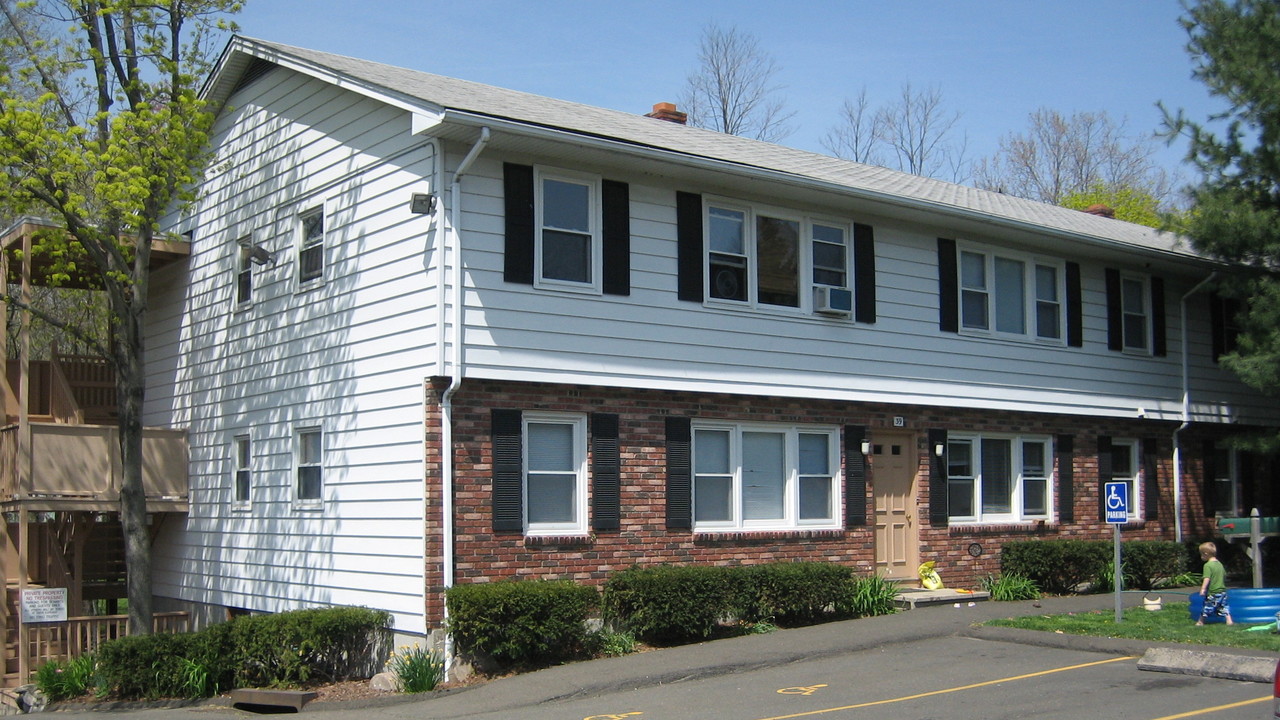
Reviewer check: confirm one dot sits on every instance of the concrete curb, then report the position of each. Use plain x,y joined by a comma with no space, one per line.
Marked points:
1209,664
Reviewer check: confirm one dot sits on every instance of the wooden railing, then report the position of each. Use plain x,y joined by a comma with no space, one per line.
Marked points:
82,463
79,635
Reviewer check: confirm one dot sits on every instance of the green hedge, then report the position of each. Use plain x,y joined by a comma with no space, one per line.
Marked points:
1059,567
521,621
686,603
666,603
277,650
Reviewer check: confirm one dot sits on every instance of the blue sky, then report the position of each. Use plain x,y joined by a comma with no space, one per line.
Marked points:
995,61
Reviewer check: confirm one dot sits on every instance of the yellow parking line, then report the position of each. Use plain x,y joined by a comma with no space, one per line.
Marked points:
951,690
1205,711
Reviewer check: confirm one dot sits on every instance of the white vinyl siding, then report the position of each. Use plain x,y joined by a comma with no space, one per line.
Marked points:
350,355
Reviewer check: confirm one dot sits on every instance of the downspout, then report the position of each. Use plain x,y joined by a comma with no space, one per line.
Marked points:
451,237
1186,408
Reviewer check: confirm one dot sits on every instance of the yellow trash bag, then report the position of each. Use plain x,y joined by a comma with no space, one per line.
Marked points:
929,577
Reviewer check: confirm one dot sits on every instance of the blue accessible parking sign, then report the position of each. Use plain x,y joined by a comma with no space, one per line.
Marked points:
1116,497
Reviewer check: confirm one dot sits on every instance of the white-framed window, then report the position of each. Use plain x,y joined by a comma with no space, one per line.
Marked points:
830,247
309,466
242,472
999,478
567,245
244,271
772,258
764,477
311,243
1124,468
1224,493
1135,313
1010,294
555,474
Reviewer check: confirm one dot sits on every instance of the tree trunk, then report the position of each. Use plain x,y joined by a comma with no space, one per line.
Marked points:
131,387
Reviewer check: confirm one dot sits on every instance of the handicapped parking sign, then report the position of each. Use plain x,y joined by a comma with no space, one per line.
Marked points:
1116,497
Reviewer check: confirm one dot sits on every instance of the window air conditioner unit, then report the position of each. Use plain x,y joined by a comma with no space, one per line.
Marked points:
833,301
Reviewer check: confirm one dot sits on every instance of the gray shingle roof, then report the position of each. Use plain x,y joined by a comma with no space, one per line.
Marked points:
437,91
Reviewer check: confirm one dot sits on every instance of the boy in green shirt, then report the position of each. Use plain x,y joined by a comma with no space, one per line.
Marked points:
1214,586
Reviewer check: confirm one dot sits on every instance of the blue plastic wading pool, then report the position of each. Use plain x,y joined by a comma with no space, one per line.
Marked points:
1248,605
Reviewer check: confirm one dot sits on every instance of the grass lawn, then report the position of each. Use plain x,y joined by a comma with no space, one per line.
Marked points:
1171,624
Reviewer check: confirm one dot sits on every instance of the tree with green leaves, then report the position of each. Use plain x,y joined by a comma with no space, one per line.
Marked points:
1235,48
102,132
1127,203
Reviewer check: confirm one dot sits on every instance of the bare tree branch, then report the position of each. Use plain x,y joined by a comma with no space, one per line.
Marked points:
732,90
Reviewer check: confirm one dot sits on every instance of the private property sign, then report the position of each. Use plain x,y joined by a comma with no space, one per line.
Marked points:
44,605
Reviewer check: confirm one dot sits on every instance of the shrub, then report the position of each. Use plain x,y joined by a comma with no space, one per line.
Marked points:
320,644
264,650
1147,563
1056,566
666,603
517,621
418,669
791,593
610,644
60,681
1010,586
867,596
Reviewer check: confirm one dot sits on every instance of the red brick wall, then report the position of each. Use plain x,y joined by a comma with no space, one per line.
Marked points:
482,555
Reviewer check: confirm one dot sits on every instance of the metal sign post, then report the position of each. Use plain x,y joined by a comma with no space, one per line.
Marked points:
1116,496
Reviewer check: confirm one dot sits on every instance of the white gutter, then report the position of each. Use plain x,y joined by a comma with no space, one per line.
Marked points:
455,372
1186,410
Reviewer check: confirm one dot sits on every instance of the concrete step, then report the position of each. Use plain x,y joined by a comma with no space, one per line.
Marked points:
910,598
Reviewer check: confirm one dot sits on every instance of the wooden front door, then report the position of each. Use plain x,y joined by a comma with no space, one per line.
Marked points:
894,465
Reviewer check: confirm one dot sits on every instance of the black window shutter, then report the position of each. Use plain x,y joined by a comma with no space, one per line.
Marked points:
1115,317
508,467
948,287
606,469
616,237
679,474
1217,325
1065,449
1104,473
938,511
1150,479
1209,489
1075,307
855,477
517,188
689,246
1159,344
864,273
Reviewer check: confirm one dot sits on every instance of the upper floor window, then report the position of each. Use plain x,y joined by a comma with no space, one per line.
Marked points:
568,242
772,259
555,474
311,246
1011,294
1134,312
998,479
764,477
242,479
244,271
309,463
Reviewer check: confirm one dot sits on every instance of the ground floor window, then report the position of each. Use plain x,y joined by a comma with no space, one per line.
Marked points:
998,478
555,474
1124,468
764,477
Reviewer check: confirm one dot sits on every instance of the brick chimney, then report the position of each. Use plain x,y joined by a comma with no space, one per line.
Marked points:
1101,211
667,111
